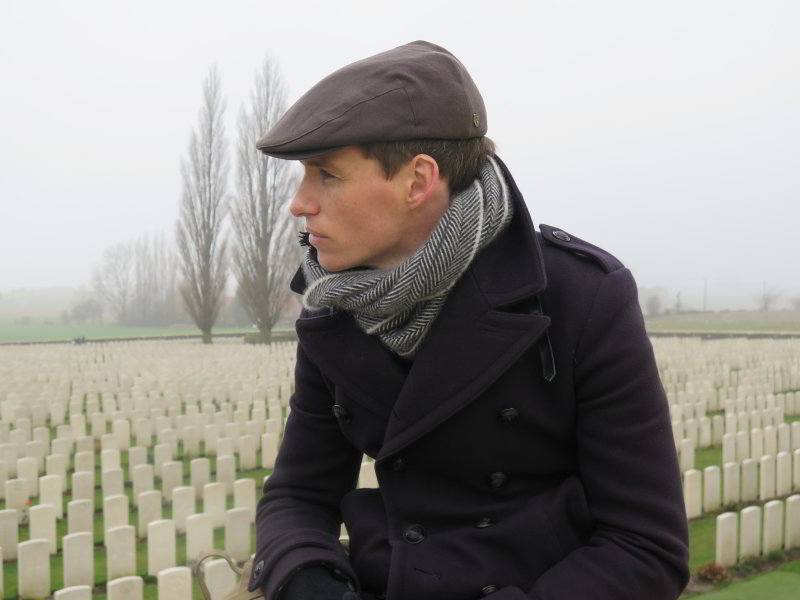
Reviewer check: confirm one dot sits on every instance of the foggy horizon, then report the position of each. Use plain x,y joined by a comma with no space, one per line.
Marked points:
665,134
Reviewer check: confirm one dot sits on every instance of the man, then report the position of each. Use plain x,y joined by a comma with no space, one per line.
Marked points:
500,378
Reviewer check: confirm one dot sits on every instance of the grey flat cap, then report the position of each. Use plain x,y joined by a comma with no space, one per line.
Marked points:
415,91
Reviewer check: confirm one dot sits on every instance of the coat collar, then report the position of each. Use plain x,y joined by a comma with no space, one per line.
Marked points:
469,345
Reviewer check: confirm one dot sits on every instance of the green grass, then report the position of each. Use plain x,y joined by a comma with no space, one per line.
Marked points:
780,584
707,457
150,587
776,321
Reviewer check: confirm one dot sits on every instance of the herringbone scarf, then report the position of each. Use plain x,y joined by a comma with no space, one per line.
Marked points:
400,304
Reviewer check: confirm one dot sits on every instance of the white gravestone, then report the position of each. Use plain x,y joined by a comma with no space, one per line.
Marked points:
110,459
43,525
78,559
115,512
80,516
83,486
199,535
749,477
711,488
17,497
120,543
149,511
112,482
175,584
77,592
183,505
783,474
726,539
219,577
56,464
126,588
9,533
27,470
730,479
226,472
244,496
171,477
214,502
792,527
33,569
143,480
84,461
773,527
692,493
199,474
160,546
766,488
750,532
237,533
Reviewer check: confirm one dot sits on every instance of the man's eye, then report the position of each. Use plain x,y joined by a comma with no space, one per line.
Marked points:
325,175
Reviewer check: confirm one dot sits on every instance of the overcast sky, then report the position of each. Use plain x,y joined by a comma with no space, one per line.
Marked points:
666,132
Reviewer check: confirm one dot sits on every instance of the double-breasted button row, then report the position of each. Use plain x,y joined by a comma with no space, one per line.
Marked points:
341,413
414,534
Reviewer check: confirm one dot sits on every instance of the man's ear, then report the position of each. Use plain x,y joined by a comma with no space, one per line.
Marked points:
426,181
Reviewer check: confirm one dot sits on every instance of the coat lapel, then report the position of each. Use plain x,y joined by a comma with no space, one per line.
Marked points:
473,340
471,343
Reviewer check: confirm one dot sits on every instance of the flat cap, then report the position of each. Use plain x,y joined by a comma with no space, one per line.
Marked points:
415,91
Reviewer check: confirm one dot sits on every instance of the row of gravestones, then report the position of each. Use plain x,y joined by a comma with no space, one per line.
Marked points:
120,541
740,446
140,472
42,518
173,583
756,531
756,406
757,442
33,561
764,479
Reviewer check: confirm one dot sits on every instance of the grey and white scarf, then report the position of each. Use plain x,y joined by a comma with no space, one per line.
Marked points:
400,304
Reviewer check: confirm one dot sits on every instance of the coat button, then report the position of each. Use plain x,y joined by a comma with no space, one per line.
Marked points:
498,479
341,413
484,522
561,235
414,534
258,569
489,589
399,464
509,415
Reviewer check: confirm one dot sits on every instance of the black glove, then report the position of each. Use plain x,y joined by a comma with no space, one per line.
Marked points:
316,582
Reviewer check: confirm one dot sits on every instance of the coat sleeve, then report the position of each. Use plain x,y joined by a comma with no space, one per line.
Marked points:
297,518
627,462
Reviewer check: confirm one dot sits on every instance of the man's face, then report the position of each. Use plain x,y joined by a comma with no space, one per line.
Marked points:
354,215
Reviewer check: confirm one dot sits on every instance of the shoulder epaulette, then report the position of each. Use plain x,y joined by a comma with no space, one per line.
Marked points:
567,241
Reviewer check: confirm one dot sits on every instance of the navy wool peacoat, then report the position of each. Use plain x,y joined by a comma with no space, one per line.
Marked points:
525,453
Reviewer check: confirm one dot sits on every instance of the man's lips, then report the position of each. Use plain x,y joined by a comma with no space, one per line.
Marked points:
314,233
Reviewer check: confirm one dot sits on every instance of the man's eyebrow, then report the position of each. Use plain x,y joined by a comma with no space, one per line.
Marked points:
317,162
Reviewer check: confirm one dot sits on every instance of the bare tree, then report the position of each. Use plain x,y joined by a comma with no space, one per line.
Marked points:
767,298
155,288
201,241
113,281
265,255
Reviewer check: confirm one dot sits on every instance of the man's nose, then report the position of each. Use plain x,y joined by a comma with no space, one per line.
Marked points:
303,204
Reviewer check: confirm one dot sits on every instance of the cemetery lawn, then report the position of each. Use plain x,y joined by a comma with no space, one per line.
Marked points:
150,586
12,332
781,584
737,321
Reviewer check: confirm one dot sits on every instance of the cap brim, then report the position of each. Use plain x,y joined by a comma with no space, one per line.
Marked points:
300,154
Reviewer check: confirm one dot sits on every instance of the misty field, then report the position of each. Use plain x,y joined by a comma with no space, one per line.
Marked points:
177,420
737,321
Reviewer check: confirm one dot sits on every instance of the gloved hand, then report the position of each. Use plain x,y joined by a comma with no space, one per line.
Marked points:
316,582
